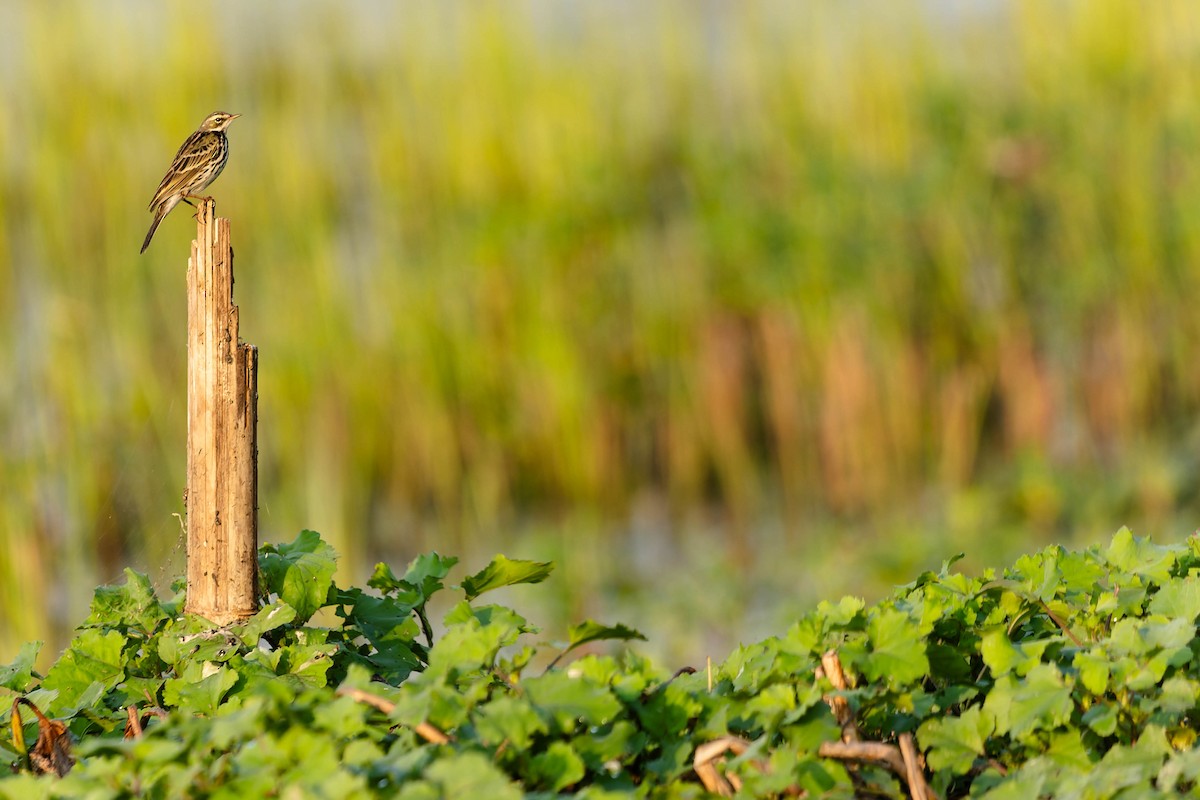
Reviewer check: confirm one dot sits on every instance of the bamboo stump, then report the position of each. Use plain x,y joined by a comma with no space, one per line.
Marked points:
222,465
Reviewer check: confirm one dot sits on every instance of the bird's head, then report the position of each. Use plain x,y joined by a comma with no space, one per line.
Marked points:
218,121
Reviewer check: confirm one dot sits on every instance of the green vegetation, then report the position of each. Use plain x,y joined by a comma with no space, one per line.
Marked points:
1071,674
871,285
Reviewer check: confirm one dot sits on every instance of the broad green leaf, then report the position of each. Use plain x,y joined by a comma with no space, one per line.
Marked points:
557,767
1180,767
132,605
507,624
471,775
342,717
509,719
28,786
998,652
668,712
590,631
1067,748
805,637
947,663
378,617
752,667
201,689
1040,701
841,614
93,656
953,743
268,618
1127,638
569,700
1171,635
1141,556
1178,695
505,572
1080,572
19,674
897,649
1179,598
466,648
301,572
1093,666
422,579
308,662
767,708
621,742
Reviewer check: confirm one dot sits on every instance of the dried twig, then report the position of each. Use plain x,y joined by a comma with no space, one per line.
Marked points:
903,760
136,720
877,752
423,729
706,758
832,666
914,775
1062,625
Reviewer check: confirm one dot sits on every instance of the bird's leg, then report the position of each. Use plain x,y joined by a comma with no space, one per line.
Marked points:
185,199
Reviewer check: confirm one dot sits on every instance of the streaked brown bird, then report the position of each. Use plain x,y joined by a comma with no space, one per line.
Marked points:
197,164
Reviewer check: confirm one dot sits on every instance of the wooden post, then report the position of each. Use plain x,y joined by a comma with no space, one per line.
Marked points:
222,468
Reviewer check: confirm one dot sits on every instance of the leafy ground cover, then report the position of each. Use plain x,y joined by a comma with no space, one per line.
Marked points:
1069,674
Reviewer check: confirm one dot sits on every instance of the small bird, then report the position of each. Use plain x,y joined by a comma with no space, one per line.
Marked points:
197,164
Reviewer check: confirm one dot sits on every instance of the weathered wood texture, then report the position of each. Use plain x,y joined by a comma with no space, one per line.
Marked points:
222,469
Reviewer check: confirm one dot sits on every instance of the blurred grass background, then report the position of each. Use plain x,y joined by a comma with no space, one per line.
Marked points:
726,308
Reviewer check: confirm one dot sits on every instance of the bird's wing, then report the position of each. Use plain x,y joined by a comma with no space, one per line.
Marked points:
194,157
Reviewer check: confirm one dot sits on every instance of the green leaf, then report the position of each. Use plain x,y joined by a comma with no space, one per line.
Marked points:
1040,701
841,615
1180,767
1081,572
569,700
422,580
471,775
1171,635
505,572
509,719
93,656
508,623
301,573
558,767
1067,749
268,618
1140,556
1178,695
342,717
1093,666
768,708
466,648
621,742
200,689
308,662
377,617
18,675
590,631
897,649
998,652
133,604
953,743
1179,598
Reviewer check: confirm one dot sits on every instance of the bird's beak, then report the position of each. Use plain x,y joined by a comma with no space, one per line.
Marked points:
232,117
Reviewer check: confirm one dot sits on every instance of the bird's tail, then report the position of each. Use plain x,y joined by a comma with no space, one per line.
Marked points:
159,214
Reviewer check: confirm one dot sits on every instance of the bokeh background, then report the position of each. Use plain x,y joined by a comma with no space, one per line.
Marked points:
724,307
